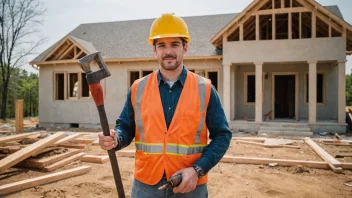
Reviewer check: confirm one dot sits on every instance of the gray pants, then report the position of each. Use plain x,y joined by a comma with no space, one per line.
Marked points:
140,190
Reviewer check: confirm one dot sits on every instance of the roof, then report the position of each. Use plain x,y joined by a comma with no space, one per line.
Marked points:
128,39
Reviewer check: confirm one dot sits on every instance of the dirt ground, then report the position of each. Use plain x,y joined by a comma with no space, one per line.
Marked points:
225,179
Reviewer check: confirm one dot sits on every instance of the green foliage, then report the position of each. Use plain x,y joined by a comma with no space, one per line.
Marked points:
22,86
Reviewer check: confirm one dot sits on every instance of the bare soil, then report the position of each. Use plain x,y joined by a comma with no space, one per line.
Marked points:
225,179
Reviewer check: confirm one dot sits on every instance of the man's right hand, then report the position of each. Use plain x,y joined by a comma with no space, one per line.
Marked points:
108,142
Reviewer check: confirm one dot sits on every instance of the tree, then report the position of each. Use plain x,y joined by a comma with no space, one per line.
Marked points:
19,21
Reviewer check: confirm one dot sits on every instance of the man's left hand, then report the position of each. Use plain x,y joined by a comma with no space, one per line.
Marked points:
189,180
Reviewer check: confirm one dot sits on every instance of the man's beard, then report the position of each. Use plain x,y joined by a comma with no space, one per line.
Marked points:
171,66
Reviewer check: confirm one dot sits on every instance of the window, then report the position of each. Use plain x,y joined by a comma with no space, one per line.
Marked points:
70,86
306,25
73,85
84,87
134,75
59,86
250,88
320,88
213,76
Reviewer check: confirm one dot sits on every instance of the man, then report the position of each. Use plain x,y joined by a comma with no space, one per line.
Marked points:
169,113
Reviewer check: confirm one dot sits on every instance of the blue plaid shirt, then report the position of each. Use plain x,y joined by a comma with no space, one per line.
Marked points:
219,131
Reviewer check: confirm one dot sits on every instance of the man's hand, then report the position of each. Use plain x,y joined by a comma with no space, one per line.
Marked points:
189,180
108,142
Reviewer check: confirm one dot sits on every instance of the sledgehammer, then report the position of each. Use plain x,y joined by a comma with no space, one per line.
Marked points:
93,80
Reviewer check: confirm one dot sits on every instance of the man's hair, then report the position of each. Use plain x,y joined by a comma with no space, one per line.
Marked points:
184,42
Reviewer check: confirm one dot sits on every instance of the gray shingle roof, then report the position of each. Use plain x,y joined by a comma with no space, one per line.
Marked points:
335,9
128,39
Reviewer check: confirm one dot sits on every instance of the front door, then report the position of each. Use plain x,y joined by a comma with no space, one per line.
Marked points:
285,96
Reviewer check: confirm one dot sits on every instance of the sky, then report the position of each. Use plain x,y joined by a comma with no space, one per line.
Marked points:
62,16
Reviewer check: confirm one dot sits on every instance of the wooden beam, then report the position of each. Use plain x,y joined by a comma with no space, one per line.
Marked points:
280,162
291,4
330,31
257,29
67,138
300,25
75,51
274,27
267,146
64,162
75,146
259,161
19,116
341,155
289,26
79,53
321,16
66,52
43,162
37,181
282,3
322,153
281,11
273,2
82,140
344,33
314,25
95,158
16,137
24,153
241,32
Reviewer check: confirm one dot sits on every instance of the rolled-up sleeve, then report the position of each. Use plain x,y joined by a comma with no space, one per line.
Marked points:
125,125
219,133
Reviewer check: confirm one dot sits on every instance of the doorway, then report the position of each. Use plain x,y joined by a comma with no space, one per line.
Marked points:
285,96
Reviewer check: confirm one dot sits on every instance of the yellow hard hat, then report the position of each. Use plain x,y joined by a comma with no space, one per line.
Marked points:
168,25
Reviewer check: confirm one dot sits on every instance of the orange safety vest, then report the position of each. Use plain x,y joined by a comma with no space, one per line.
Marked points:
159,149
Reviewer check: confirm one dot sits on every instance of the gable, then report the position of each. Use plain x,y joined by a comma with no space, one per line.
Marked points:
328,21
69,48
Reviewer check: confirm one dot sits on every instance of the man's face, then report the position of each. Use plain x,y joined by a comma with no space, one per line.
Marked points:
170,52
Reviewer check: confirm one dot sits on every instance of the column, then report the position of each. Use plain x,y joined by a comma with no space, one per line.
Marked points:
341,76
258,92
226,90
312,92
233,100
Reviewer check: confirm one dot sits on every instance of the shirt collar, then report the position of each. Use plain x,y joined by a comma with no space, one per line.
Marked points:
182,77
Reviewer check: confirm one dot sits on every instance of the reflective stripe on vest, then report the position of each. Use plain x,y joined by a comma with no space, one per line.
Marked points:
150,148
179,149
173,149
140,90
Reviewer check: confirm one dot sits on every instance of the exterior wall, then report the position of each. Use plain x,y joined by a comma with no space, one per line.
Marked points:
53,113
326,111
318,49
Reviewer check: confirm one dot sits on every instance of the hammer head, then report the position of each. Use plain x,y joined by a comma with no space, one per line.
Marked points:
96,76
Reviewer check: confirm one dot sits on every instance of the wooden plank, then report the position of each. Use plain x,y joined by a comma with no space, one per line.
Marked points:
256,139
47,149
255,160
322,153
67,138
267,146
76,146
342,155
16,137
274,27
95,158
337,144
10,149
290,26
281,11
41,163
19,116
282,3
28,183
314,25
64,162
24,153
280,162
82,140
257,28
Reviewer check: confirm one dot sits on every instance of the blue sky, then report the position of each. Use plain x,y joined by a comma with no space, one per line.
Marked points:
62,16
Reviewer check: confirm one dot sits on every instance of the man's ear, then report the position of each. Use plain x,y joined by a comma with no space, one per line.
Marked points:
154,51
185,48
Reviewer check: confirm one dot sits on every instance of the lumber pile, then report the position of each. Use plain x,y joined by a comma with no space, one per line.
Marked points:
45,153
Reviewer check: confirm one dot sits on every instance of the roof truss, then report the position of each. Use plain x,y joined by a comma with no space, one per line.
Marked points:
67,49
